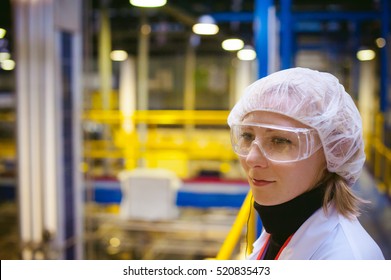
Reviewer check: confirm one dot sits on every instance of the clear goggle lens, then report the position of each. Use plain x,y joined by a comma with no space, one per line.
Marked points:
277,143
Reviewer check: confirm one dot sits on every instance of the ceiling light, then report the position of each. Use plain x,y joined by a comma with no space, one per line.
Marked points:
118,55
206,26
247,53
2,33
365,55
8,64
4,55
380,42
148,3
232,44
145,29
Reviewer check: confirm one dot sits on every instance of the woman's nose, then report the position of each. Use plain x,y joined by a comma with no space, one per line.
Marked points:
256,157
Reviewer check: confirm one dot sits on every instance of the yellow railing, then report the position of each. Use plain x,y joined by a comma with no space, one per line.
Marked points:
199,117
170,139
245,216
379,156
7,149
7,145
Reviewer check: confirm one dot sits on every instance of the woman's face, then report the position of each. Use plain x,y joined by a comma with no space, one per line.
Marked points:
274,183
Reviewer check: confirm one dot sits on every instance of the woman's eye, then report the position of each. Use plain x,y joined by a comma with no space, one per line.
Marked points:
247,136
281,141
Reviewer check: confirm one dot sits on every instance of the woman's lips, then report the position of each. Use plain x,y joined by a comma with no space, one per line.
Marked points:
260,183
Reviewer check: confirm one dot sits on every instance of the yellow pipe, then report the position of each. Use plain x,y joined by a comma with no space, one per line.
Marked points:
378,136
379,126
233,236
251,232
377,158
387,170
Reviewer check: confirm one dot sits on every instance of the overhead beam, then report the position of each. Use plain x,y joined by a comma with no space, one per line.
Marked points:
299,16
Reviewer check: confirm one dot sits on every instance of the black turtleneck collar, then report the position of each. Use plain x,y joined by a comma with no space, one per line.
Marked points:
282,220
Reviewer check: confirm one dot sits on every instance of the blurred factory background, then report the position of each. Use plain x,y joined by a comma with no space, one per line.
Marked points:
113,134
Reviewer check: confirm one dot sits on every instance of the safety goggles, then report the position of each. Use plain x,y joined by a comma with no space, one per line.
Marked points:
277,143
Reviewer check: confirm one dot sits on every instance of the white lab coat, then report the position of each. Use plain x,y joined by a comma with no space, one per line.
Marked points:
327,237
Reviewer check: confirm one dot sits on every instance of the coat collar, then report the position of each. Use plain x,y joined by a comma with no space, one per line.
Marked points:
324,224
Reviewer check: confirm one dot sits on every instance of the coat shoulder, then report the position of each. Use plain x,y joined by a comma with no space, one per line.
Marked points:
348,241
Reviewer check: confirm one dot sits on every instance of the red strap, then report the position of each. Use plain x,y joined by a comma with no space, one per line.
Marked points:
283,246
262,251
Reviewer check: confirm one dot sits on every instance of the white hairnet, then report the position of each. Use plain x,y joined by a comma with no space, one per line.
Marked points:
315,99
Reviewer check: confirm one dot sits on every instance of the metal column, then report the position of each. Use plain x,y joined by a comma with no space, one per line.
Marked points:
262,35
286,34
47,83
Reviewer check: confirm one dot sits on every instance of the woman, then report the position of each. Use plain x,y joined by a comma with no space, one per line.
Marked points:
298,135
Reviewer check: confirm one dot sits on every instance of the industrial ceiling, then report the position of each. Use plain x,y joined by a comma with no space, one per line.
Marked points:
171,24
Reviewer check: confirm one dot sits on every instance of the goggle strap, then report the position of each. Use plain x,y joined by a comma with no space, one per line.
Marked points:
312,146
309,144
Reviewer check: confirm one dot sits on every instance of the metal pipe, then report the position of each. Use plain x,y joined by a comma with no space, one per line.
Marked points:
190,65
142,90
105,69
